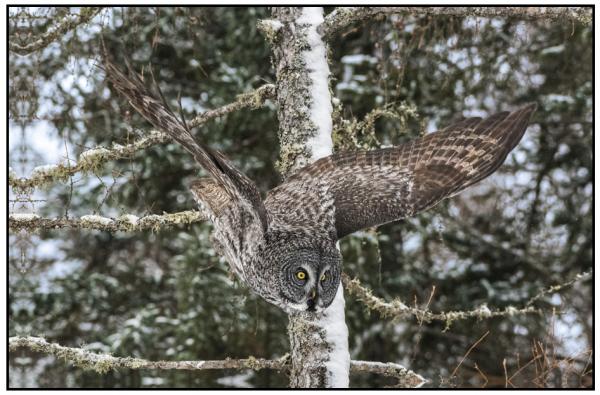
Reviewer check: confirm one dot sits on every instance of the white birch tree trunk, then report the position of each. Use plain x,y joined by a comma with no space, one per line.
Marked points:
319,342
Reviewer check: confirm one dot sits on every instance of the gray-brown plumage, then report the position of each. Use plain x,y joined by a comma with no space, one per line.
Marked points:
284,248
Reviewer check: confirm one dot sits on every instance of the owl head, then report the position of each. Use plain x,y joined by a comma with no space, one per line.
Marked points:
307,275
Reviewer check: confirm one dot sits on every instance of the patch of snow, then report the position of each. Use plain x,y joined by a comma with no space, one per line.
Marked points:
350,86
152,381
132,219
237,381
97,219
273,24
336,334
86,326
23,216
559,98
484,311
320,145
555,49
358,59
45,169
537,80
94,152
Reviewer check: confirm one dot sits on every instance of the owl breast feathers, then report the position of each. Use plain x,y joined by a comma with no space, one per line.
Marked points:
284,247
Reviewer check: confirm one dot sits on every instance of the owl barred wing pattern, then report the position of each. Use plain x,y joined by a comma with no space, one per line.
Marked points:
210,195
371,188
270,244
239,187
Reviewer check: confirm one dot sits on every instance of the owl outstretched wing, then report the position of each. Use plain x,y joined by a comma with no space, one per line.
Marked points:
370,188
227,179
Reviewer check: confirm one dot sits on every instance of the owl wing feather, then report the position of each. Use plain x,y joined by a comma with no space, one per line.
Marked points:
154,108
210,195
371,188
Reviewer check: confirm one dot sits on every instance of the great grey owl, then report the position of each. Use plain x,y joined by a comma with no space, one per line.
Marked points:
284,247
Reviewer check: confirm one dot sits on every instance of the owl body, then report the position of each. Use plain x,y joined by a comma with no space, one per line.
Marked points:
284,247
301,239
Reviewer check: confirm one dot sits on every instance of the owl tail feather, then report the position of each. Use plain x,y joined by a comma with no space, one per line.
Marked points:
155,109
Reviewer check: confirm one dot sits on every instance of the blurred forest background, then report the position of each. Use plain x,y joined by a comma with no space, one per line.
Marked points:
166,295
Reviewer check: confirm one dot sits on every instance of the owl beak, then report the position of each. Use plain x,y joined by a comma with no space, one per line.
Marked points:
311,302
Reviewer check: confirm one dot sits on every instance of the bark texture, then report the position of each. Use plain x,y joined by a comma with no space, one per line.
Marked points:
293,90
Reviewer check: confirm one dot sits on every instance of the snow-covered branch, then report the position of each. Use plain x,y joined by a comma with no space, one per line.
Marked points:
92,159
102,363
89,160
342,17
58,30
406,378
397,309
124,223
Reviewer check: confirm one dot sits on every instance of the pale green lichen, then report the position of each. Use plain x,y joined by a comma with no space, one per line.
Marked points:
128,222
353,134
292,156
257,98
92,157
270,29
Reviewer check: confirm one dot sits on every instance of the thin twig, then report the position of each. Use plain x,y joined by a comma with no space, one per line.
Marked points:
505,373
556,288
482,375
468,352
522,367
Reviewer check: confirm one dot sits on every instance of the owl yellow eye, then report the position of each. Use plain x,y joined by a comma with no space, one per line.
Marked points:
323,277
301,275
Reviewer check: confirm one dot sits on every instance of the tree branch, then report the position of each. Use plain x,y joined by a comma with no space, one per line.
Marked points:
124,223
55,32
253,100
89,160
406,378
92,159
580,277
397,309
102,363
343,17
